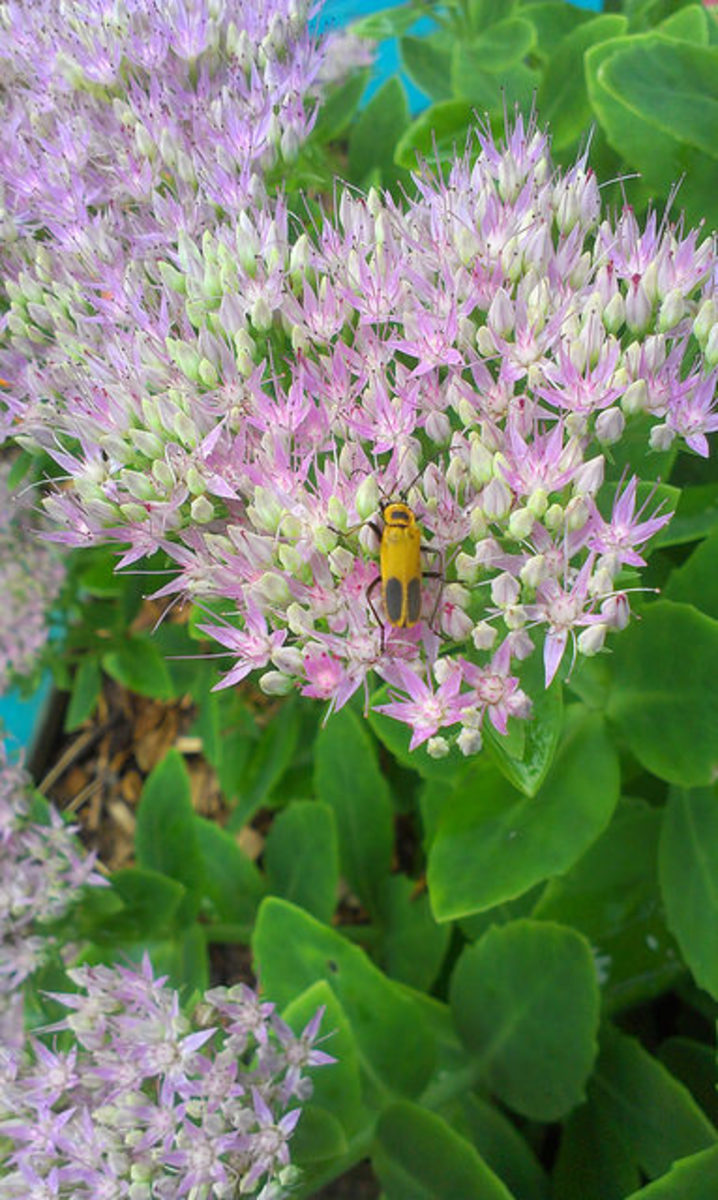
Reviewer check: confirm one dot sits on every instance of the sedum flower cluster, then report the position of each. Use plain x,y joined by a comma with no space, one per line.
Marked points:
245,396
31,575
148,1104
42,868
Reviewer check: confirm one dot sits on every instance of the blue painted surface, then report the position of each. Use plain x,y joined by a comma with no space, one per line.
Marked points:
386,63
20,719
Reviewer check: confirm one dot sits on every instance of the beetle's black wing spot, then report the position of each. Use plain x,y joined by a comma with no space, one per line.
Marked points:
413,596
394,600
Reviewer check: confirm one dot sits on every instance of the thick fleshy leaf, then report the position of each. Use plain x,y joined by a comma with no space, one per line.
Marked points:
150,900
349,781
420,1157
138,665
689,24
440,130
694,1064
689,879
553,20
427,62
336,112
502,1147
517,82
233,883
592,1162
656,101
695,516
293,950
492,843
562,98
692,1178
301,857
525,1000
527,766
166,833
86,686
494,49
337,1085
387,23
375,132
696,581
612,896
658,1119
663,697
272,755
413,945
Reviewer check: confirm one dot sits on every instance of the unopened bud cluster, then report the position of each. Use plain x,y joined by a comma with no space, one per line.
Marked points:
150,1105
250,397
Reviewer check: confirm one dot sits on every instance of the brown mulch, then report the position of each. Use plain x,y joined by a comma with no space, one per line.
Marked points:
97,773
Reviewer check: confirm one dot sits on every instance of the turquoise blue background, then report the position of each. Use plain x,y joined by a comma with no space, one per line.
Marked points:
343,12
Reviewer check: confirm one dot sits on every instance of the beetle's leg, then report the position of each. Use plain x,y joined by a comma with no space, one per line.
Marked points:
440,574
372,588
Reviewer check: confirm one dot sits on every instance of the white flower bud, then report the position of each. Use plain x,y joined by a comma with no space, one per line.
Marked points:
260,314
437,747
466,411
485,342
589,477
504,590
576,513
511,259
272,588
515,618
208,373
367,497
481,461
299,620
467,568
455,622
610,425
478,524
500,317
267,509
671,311
274,683
649,281
324,538
341,561
496,500
601,582
288,660
616,611
290,558
638,308
438,428
635,398
521,522
705,319
534,571
661,437
469,741
483,635
711,348
614,314
337,513
138,485
554,518
202,510
591,639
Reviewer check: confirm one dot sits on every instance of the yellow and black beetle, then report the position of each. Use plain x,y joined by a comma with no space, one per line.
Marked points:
400,572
